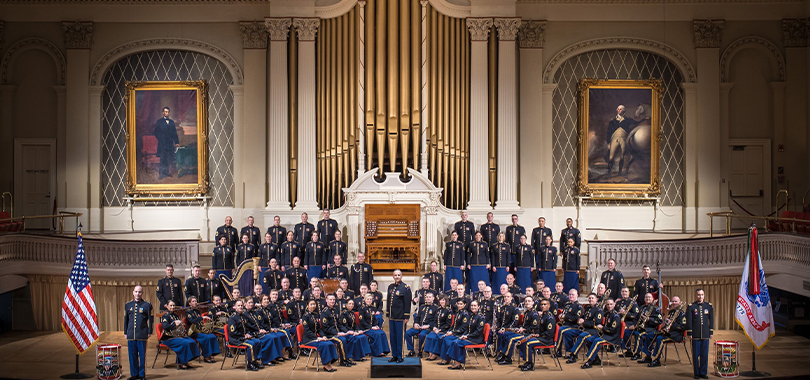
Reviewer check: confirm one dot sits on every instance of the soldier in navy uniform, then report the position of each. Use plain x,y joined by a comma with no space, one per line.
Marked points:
572,312
195,286
478,261
700,328
277,232
230,233
315,257
214,286
513,233
424,320
676,320
546,258
490,230
465,229
501,259
569,232
525,265
590,321
570,264
436,278
303,232
272,276
337,247
454,258
327,227
297,275
138,329
398,310
338,270
222,258
169,288
166,135
268,250
646,284
253,232
245,251
289,250
360,273
610,330
539,234
613,279
421,295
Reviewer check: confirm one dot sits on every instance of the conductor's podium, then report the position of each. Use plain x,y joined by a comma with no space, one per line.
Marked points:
410,368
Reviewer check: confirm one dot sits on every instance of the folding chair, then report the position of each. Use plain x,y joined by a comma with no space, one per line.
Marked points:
299,333
605,356
240,350
552,348
161,346
481,347
675,344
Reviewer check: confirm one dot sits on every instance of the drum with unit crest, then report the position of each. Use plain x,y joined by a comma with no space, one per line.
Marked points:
725,360
108,365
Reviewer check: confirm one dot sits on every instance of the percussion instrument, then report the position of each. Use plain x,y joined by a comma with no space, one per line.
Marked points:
725,361
108,366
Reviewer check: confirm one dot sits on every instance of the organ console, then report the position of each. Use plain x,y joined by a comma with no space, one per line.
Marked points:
392,236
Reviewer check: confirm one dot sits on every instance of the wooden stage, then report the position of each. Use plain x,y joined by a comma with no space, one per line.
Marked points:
40,355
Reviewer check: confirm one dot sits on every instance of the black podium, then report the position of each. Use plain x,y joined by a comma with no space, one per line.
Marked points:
410,368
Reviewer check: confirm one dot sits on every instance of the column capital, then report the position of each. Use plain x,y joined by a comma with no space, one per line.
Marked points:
796,32
507,28
707,33
254,35
479,28
532,34
78,35
307,28
278,28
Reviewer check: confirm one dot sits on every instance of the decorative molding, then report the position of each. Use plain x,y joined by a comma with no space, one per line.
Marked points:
532,34
131,2
1,34
168,44
611,2
450,9
796,32
337,9
479,28
34,43
78,35
442,5
752,42
254,35
278,28
507,28
708,33
307,28
641,44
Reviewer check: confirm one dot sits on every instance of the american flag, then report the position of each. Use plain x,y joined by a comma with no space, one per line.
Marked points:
79,318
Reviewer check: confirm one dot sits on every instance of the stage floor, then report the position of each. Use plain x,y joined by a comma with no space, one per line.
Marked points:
38,355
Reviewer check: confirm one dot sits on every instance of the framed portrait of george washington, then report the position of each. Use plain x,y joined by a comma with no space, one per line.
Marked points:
619,136
167,138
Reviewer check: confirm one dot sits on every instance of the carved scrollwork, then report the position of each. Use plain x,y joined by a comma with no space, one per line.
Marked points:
708,33
507,28
278,28
479,28
796,32
306,28
254,35
531,34
78,35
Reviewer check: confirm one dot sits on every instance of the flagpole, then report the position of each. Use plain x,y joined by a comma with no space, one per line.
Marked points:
77,374
752,250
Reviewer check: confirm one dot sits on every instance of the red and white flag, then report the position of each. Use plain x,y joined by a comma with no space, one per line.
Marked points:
79,318
754,313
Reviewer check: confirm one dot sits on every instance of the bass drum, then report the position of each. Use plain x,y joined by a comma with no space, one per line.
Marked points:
329,285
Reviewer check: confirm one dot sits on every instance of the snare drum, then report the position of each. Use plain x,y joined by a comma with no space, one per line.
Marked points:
725,360
108,366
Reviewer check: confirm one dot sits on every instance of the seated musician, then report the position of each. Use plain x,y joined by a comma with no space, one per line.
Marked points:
538,288
270,320
239,333
175,337
569,330
628,310
297,275
419,296
257,294
461,324
338,271
478,295
610,332
274,310
378,300
648,321
285,292
219,313
424,320
559,296
317,296
452,291
340,301
371,326
344,284
257,325
273,276
589,324
444,322
461,296
208,342
672,331
456,352
296,308
358,342
235,295
245,251
213,285
506,320
546,295
289,250
501,299
529,293
360,298
539,331
313,282
436,278
329,324
513,287
488,309
313,336
600,292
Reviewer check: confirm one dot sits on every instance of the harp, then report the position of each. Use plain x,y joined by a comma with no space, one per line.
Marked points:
247,275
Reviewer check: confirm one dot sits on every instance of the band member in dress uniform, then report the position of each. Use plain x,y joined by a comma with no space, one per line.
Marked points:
288,250
315,257
329,326
169,288
610,332
627,308
185,348
539,234
572,312
436,278
195,286
501,259
457,352
208,342
296,308
138,329
516,291
297,275
327,227
461,323
239,334
478,263
546,258
487,303
303,232
222,258
421,295
454,260
465,230
373,289
277,232
461,296
519,333
553,308
540,333
285,293
570,265
272,276
646,284
424,320
559,296
213,286
398,310
337,247
268,250
525,265
612,278
313,336
673,330
253,232
506,319
245,251
649,320
589,323
490,230
569,232
360,273
338,270
700,328
230,233
513,233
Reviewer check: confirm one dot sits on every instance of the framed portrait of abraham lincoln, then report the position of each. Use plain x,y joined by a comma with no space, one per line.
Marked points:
167,137
619,138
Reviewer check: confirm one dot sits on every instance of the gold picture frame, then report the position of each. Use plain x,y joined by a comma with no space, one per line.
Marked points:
167,153
619,149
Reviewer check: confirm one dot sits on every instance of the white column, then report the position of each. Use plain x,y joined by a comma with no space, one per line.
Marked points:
533,138
479,178
507,115
254,135
690,106
94,157
307,28
278,123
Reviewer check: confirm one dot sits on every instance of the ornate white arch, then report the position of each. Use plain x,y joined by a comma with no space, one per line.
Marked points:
752,42
451,9
337,9
130,48
631,43
33,44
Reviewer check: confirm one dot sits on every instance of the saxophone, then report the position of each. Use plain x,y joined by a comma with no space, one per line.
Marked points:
629,306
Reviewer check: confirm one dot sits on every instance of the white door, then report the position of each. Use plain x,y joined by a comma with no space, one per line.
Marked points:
34,181
747,183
